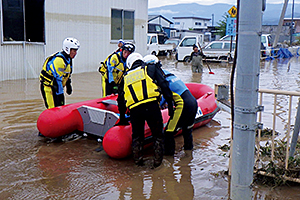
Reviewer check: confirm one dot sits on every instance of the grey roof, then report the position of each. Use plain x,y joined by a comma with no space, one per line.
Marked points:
191,18
152,17
295,19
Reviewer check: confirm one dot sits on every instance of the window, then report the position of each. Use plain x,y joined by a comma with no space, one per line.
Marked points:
177,23
122,24
153,40
154,28
23,20
188,42
216,46
172,33
227,46
158,29
198,23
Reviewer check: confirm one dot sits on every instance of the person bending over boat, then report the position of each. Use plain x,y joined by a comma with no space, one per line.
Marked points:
56,74
139,92
113,68
196,58
185,110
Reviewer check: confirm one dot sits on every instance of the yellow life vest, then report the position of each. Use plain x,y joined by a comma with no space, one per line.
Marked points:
139,87
113,61
59,65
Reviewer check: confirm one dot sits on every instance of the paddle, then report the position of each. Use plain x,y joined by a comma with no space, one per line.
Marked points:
210,72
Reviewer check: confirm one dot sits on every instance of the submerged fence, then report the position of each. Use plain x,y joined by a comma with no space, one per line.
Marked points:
278,105
286,137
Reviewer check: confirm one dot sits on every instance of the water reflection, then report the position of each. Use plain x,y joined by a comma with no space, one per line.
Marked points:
170,181
279,74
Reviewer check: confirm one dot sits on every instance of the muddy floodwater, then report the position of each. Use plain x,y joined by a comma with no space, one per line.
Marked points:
32,168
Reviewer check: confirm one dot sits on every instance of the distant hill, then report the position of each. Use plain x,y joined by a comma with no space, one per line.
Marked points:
271,15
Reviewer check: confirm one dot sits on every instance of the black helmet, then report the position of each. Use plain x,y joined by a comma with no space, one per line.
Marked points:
129,47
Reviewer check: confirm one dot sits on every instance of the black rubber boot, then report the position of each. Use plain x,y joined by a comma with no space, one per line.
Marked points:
158,152
169,144
188,140
137,150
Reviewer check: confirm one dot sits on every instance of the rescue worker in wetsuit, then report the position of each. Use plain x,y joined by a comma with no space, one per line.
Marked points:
115,69
196,58
185,110
140,93
56,74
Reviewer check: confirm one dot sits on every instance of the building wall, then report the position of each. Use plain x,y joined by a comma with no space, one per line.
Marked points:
189,23
272,29
20,61
287,22
87,20
182,33
160,21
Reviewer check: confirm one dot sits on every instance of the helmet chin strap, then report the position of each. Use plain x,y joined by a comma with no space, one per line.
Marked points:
123,59
65,54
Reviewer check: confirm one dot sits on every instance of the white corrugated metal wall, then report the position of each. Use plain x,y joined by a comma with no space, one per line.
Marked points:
88,21
17,62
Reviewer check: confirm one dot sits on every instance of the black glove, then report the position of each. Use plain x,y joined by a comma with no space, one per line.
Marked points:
69,87
54,87
115,89
158,64
170,110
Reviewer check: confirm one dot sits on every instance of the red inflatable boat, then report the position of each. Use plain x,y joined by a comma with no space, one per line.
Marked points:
63,120
99,115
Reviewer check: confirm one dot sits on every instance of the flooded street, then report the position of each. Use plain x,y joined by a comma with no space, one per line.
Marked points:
31,168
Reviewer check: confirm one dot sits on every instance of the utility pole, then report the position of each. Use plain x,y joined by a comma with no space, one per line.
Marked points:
292,25
280,24
295,133
246,98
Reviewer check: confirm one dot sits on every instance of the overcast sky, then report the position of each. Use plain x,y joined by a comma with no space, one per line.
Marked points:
158,3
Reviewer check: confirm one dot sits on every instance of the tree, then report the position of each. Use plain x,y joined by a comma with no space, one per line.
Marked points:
222,25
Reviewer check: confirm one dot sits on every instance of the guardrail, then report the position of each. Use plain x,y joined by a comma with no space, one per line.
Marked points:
222,96
266,53
275,93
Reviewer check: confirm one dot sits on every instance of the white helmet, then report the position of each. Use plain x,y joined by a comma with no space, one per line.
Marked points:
132,58
121,41
129,47
150,59
70,43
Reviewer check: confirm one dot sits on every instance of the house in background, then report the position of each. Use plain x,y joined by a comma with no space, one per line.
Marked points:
296,21
164,22
191,23
32,30
191,26
272,29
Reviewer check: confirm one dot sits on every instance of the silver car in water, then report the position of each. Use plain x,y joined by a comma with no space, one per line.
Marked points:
219,50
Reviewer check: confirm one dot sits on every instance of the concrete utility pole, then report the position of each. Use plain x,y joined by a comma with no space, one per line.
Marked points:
280,24
246,98
295,133
292,25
